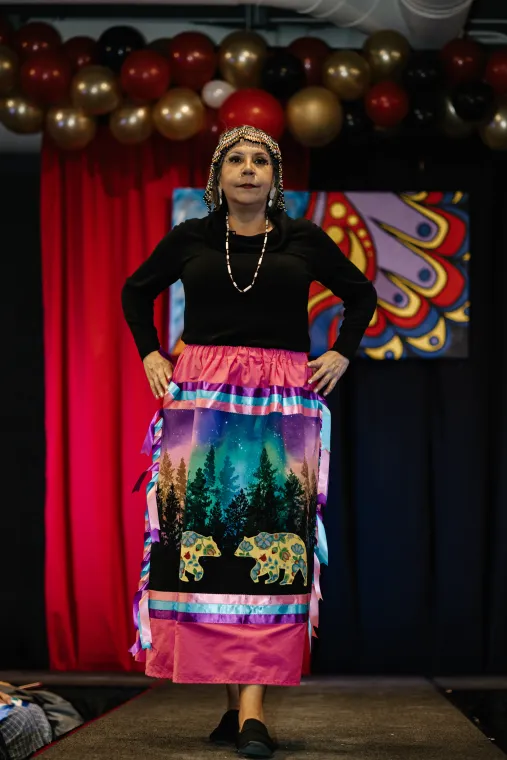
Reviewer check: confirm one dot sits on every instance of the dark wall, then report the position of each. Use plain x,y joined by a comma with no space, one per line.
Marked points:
22,619
417,509
491,9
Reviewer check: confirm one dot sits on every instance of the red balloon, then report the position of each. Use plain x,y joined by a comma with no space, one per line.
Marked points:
45,77
311,52
6,31
36,37
145,75
463,60
386,104
81,51
496,71
193,59
256,108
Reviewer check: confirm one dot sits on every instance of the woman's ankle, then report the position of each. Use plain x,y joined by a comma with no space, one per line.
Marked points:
251,703
247,714
232,696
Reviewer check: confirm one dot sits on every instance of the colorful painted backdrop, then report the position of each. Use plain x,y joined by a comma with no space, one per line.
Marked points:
414,246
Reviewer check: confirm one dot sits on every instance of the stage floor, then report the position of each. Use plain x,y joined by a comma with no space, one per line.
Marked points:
357,718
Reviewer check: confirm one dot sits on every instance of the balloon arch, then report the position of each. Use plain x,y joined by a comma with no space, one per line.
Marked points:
186,85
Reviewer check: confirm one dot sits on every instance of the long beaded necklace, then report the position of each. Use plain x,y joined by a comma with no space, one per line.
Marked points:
243,290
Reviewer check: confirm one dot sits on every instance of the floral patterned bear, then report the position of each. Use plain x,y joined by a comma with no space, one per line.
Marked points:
194,546
275,552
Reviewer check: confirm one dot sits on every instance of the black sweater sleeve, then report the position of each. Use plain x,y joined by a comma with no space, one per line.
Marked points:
335,271
160,270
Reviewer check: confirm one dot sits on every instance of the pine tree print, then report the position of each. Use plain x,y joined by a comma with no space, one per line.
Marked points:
165,476
214,525
162,517
304,525
214,519
181,482
236,516
312,513
197,503
227,483
174,515
209,468
294,505
254,524
265,504
305,475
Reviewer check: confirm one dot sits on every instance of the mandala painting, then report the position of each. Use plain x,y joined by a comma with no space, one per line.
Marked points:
414,247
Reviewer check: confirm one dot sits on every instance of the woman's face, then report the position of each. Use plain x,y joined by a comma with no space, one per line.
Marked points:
247,174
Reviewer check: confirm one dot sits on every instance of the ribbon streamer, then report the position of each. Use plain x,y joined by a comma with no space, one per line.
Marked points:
321,552
152,444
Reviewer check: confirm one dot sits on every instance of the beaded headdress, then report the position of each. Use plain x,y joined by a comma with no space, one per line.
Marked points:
226,142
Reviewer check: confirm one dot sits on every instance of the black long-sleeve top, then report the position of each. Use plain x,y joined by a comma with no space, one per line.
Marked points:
274,313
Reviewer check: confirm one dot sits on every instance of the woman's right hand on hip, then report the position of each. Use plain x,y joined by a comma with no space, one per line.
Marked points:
159,372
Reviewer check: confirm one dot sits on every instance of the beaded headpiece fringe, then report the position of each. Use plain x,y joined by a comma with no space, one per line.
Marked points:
226,142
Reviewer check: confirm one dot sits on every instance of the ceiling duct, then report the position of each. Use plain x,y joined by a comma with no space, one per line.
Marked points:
426,23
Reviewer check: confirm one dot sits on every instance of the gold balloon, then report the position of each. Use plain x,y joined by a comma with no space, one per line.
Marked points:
70,128
241,57
494,132
179,114
95,89
20,115
347,74
8,69
314,116
131,124
387,53
451,124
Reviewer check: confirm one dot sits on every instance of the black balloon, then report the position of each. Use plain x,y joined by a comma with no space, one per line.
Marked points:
473,101
355,120
424,110
115,44
423,71
283,74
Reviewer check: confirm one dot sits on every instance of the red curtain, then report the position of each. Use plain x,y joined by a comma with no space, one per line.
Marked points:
102,212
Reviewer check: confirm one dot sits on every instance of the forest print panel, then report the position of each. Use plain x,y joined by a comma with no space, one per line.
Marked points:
234,475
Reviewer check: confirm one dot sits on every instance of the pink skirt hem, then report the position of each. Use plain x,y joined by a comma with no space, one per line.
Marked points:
247,654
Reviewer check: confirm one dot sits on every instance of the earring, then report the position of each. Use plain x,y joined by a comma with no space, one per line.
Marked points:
271,196
219,196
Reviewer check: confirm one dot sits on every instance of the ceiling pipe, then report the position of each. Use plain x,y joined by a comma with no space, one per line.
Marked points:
432,23
426,23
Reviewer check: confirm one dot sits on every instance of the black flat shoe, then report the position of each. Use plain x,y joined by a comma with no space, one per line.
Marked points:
254,741
227,730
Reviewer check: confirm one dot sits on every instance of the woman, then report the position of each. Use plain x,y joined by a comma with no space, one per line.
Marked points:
241,446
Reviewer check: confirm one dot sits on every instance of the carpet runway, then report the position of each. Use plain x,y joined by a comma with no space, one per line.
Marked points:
357,719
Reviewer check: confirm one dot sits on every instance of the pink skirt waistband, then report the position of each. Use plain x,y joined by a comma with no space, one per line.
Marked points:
243,365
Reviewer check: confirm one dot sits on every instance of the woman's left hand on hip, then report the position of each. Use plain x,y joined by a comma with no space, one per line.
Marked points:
329,366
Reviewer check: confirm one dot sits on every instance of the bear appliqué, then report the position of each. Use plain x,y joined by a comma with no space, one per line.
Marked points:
193,547
274,552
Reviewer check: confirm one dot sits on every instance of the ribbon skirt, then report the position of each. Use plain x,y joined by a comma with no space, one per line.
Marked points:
234,537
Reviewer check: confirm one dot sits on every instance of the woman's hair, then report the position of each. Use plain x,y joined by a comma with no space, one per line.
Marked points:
226,142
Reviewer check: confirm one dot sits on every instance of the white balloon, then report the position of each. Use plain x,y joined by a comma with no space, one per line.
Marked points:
214,93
